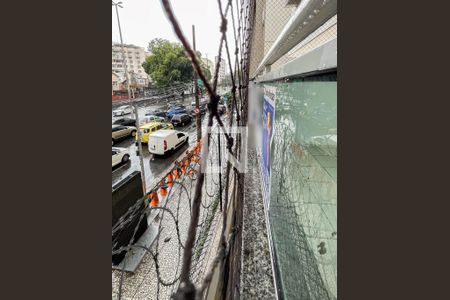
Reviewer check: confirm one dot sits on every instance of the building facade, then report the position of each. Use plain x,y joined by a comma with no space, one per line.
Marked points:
222,69
116,82
135,57
209,64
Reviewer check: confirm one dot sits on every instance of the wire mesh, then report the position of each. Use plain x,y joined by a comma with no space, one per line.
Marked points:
320,36
195,239
302,211
192,241
270,18
158,274
303,202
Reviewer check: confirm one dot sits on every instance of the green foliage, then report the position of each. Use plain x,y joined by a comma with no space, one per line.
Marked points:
169,64
205,68
228,94
230,99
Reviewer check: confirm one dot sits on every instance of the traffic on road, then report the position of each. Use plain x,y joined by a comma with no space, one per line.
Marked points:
166,146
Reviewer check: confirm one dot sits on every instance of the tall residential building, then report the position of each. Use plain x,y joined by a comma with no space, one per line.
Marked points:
209,64
135,56
222,69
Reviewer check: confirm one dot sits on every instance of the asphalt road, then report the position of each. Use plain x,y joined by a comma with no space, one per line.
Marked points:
154,167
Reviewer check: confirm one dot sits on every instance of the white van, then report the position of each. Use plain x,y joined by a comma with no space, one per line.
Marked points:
165,140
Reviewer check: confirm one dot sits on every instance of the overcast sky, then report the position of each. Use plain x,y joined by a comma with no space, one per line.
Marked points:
143,20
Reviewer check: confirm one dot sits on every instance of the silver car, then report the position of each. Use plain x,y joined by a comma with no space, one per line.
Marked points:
120,132
122,110
151,118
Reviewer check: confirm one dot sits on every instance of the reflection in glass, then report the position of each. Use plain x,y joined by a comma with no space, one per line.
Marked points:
303,198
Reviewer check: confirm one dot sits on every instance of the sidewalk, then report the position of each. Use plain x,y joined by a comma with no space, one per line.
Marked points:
144,283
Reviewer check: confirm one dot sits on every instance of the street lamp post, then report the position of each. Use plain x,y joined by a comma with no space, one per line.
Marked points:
135,108
198,120
125,65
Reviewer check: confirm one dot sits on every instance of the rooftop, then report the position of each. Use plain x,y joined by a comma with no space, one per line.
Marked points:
127,46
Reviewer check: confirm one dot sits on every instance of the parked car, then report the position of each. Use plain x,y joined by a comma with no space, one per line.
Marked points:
175,111
151,118
120,132
171,104
122,110
175,104
151,127
125,122
156,112
119,155
166,140
167,125
181,119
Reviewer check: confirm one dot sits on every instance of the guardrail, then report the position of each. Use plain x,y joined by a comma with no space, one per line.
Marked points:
117,98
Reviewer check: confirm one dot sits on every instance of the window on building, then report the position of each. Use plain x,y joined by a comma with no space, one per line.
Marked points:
302,157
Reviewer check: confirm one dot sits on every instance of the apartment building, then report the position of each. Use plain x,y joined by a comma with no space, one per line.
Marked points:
135,56
209,64
222,69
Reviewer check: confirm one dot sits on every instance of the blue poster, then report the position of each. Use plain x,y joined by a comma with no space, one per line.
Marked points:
268,118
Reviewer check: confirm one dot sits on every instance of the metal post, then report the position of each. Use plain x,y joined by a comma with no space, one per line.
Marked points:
118,4
220,173
141,160
135,110
197,102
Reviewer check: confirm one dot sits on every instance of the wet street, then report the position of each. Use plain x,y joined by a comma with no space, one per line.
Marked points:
154,167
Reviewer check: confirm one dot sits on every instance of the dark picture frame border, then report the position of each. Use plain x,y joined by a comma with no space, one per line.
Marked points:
392,123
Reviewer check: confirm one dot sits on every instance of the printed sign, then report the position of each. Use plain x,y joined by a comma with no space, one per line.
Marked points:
269,113
268,118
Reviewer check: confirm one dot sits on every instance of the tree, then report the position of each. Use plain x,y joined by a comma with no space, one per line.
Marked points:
229,99
169,63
